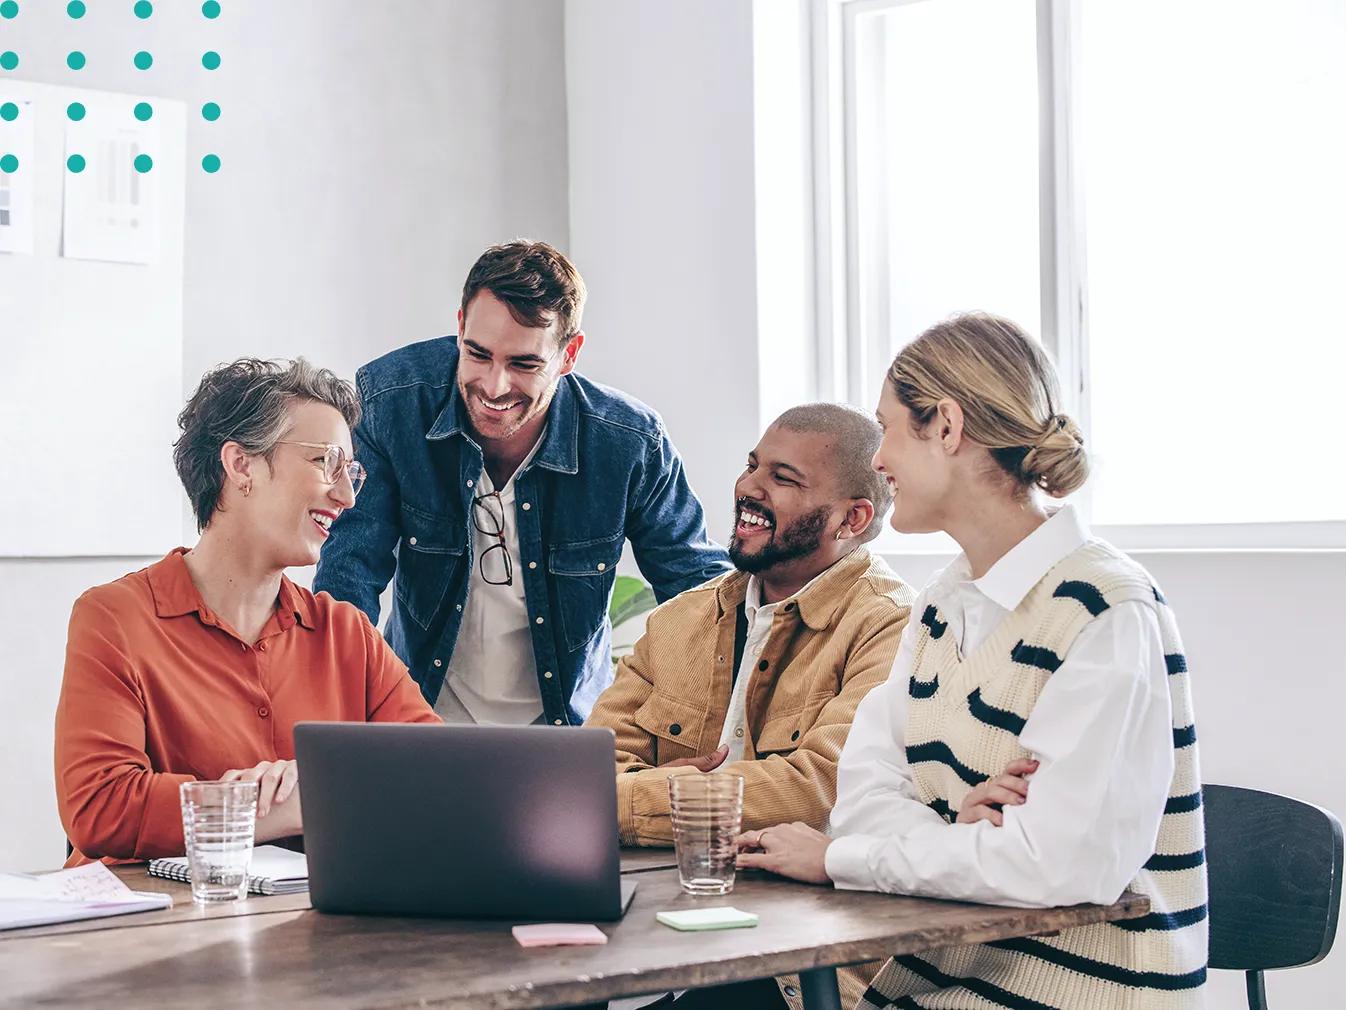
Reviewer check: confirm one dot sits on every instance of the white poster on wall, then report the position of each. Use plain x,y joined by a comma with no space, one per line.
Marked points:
17,167
91,352
111,208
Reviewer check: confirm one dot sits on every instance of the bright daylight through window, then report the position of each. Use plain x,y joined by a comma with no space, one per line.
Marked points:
1207,161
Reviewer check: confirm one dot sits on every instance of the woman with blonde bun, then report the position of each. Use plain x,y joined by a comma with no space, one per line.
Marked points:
1034,745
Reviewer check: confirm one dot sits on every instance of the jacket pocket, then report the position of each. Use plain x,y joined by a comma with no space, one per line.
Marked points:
780,735
583,574
429,556
677,724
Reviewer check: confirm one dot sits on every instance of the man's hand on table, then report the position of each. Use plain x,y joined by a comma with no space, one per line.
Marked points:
706,763
793,850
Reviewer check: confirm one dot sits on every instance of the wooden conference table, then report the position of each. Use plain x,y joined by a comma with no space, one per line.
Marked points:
278,952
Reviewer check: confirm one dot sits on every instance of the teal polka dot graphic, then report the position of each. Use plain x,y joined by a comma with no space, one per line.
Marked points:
9,59
76,60
210,9
211,163
75,110
210,60
75,163
75,9
143,163
210,111
144,9
9,163
9,112
143,60
9,9
143,111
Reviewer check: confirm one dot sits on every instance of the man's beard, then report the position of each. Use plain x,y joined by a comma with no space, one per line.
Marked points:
521,416
802,537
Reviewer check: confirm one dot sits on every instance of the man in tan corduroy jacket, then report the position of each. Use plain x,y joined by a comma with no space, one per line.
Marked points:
759,672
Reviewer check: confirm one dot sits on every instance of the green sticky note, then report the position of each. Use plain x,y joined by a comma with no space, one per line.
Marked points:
707,918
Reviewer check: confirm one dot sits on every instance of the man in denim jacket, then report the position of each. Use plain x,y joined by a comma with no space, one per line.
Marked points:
502,487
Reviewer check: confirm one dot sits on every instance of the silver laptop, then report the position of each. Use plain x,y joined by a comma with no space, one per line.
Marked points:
461,821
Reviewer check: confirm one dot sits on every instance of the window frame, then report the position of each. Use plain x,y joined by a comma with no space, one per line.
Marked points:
840,316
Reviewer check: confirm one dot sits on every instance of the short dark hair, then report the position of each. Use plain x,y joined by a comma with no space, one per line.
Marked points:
857,437
246,402
536,281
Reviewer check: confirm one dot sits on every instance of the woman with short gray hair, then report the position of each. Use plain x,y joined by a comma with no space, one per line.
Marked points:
199,666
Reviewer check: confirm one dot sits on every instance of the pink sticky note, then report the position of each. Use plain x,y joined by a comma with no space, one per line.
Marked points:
558,934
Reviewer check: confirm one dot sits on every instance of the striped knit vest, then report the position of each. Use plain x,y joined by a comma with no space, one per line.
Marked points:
964,722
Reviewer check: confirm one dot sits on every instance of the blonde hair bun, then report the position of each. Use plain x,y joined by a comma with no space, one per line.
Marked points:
1007,388
1057,463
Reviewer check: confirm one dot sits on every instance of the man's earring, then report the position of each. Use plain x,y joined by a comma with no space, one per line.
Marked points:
838,536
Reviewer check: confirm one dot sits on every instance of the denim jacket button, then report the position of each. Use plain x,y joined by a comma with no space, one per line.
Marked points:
539,620
602,567
412,541
439,662
469,483
526,506
532,564
557,721
547,674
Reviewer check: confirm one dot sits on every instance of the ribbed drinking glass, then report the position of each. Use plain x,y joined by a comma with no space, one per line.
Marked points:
219,822
707,815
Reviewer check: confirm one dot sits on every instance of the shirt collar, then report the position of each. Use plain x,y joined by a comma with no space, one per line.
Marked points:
176,594
559,450
818,600
1023,566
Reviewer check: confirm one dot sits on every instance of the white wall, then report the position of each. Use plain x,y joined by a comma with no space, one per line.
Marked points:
370,152
662,223
668,152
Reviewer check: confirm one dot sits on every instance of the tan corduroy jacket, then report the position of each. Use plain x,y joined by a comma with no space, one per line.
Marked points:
828,646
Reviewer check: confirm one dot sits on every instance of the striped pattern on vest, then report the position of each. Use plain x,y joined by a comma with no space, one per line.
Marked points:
965,716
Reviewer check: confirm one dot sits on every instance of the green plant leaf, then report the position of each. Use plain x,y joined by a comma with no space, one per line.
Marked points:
630,598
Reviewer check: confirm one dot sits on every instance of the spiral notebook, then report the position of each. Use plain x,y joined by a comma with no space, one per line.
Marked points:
273,870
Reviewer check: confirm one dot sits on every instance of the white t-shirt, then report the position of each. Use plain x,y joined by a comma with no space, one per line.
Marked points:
492,676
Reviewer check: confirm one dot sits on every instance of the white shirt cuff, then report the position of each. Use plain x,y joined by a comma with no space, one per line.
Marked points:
847,862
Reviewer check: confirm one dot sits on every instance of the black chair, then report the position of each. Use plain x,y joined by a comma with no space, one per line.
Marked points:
1275,869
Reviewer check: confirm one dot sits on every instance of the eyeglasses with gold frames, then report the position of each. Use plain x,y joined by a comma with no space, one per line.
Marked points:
334,463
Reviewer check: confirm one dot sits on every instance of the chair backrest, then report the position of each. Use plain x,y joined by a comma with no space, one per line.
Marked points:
1274,867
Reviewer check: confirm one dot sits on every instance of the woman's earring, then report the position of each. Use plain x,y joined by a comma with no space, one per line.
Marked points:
246,489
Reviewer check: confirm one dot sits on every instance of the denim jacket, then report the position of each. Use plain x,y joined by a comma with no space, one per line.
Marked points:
605,473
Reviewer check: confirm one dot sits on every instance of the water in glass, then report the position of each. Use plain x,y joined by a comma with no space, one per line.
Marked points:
219,822
707,813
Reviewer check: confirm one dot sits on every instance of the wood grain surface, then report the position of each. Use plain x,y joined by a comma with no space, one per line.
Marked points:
299,959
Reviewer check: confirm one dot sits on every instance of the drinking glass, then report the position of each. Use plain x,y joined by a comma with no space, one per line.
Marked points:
707,815
219,822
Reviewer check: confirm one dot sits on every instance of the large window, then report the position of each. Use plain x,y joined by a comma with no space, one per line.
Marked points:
1156,187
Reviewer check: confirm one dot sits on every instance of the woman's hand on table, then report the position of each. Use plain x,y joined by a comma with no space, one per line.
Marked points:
279,814
793,850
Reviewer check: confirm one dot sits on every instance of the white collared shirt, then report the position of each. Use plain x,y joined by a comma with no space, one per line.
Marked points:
1101,730
492,676
759,616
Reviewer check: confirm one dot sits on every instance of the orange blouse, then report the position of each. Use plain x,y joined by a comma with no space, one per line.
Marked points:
159,691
